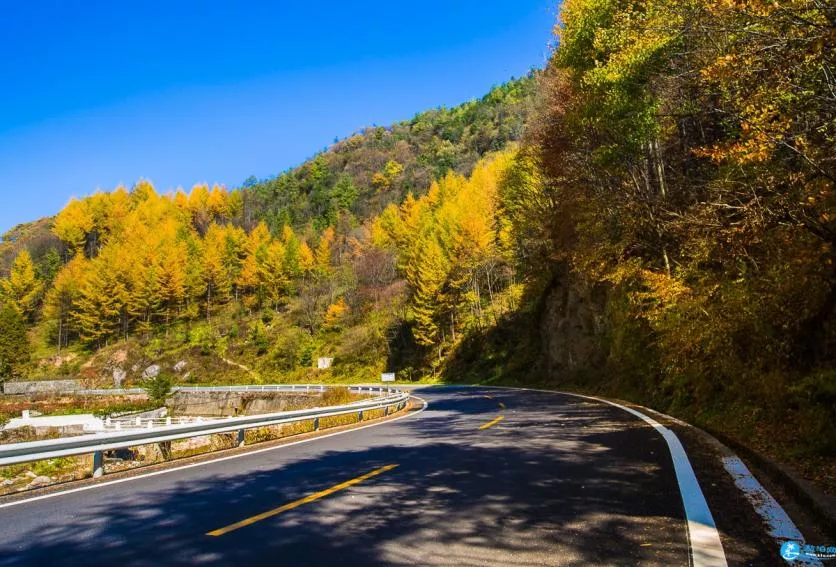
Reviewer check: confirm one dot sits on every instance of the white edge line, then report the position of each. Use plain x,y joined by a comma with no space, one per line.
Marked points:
211,461
704,540
781,527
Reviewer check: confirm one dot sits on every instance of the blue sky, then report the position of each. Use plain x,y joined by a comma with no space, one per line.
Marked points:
101,93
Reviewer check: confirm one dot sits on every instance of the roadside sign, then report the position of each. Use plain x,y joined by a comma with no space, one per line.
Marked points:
387,377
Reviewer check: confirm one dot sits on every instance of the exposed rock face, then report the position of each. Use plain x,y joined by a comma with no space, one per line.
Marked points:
152,371
118,377
572,327
180,366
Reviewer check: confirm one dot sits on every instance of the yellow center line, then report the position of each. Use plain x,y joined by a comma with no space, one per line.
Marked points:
492,423
306,500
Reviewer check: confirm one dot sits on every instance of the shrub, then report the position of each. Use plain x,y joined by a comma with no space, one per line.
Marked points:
258,337
159,388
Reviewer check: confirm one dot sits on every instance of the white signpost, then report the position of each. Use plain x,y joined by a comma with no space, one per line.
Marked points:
387,377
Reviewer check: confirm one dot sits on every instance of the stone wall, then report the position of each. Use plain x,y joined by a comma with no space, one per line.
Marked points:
41,386
222,404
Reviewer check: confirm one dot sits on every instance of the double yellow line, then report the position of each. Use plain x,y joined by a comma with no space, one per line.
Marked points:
296,503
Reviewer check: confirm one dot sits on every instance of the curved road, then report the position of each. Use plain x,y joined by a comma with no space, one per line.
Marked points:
557,481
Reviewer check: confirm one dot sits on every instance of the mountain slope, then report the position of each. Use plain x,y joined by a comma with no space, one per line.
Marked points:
272,275
377,166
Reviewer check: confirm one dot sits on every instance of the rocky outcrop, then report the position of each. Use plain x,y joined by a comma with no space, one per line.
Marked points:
572,327
152,371
119,376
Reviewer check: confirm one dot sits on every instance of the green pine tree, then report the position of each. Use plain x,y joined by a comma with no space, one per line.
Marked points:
14,346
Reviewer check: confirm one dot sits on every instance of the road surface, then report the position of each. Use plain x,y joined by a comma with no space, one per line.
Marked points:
482,477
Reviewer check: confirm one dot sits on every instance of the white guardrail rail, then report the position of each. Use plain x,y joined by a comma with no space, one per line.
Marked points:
15,453
301,388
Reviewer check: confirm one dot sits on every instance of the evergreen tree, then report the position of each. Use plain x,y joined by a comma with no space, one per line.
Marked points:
14,346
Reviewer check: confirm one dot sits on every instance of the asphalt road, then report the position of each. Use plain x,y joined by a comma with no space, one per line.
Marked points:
557,481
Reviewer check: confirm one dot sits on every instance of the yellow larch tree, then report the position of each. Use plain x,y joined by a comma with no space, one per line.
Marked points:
251,279
22,289
215,271
323,250
73,224
61,297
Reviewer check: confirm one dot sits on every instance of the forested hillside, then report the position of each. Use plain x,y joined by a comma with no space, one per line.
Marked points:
257,282
650,217
365,172
675,201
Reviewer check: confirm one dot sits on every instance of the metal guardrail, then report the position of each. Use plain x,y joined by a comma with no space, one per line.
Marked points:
306,388
136,422
15,453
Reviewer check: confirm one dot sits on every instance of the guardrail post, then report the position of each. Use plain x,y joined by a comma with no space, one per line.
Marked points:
316,424
165,449
360,415
386,411
241,437
98,464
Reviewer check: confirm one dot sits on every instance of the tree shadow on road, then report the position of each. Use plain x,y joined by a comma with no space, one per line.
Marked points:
533,491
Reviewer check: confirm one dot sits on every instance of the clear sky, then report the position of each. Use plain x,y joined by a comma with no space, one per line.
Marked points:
100,93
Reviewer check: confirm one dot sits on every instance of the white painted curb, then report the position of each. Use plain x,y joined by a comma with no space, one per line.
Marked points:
705,544
781,527
704,540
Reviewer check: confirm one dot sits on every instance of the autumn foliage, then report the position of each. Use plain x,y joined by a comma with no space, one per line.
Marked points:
137,260
651,216
679,179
